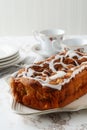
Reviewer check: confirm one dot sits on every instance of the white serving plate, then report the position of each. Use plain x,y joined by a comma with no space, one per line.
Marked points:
77,105
7,51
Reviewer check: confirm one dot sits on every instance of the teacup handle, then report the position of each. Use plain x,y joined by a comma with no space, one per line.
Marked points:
56,45
36,35
41,38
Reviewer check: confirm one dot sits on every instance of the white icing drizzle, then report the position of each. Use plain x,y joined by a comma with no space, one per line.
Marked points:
83,57
51,66
59,74
71,54
75,62
29,71
14,74
59,86
84,63
61,62
24,74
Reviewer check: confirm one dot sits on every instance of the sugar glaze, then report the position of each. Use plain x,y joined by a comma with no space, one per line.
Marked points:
29,71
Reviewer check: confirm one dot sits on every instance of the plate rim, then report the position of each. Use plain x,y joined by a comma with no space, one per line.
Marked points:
15,62
9,55
10,58
40,112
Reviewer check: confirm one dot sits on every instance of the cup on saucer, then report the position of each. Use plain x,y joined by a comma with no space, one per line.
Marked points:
49,41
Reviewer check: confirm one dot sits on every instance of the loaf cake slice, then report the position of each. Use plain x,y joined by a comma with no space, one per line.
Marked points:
52,83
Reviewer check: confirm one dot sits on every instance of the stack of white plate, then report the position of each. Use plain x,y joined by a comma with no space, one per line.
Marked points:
9,55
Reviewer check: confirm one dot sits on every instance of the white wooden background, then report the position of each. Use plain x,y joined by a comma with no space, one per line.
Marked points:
21,17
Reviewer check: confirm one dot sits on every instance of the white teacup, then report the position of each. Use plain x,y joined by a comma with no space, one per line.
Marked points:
50,41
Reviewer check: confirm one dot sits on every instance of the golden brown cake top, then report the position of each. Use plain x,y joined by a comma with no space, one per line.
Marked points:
57,70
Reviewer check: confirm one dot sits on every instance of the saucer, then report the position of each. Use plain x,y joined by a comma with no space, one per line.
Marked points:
45,53
75,43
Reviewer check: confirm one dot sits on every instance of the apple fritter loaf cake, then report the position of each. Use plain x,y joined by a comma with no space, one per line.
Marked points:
52,83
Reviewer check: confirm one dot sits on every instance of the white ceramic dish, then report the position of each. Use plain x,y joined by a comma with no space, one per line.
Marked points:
75,43
7,51
9,58
77,105
9,62
14,61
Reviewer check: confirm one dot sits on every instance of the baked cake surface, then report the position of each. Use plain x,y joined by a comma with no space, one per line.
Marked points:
52,83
